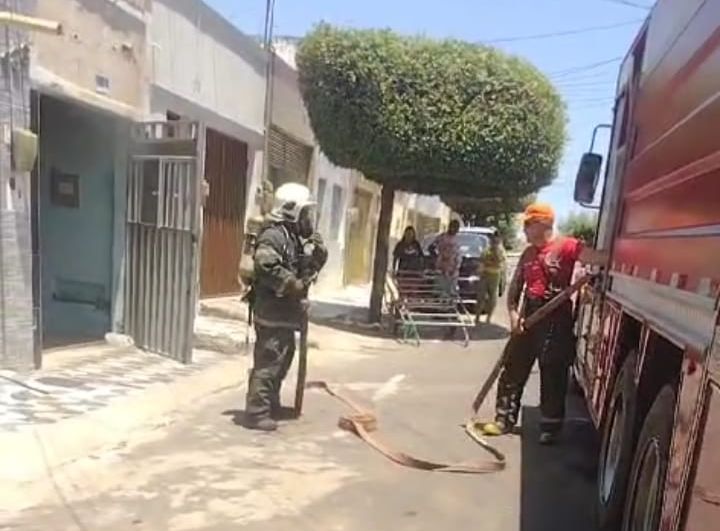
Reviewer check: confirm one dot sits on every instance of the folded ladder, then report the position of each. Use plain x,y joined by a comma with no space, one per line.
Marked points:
415,300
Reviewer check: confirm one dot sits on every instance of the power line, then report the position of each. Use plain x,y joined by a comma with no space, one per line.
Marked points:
583,68
628,3
589,77
605,84
577,96
588,87
564,33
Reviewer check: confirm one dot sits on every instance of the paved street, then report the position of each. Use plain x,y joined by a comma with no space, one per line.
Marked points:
201,471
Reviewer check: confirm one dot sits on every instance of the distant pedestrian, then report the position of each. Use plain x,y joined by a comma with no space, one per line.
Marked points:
408,253
491,270
448,259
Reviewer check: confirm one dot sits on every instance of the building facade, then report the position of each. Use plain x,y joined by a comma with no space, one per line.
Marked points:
88,88
85,236
204,69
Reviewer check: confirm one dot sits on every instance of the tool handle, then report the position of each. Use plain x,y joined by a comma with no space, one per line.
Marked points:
557,301
302,368
531,321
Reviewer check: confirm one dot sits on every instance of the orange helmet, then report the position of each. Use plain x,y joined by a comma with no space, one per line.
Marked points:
539,213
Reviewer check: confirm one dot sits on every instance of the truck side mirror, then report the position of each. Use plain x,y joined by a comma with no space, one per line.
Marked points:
587,178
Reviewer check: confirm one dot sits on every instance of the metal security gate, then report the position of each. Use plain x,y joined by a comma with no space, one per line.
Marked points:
163,231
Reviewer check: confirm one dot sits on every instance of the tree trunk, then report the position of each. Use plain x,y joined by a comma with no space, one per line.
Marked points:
382,251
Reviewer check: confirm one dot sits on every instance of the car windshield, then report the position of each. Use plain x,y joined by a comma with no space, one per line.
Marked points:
471,243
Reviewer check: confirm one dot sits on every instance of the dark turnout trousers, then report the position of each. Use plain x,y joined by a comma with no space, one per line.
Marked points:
552,343
272,357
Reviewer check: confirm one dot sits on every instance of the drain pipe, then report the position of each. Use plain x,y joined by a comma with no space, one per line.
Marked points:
30,23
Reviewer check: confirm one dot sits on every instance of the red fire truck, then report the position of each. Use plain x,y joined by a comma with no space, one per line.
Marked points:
648,337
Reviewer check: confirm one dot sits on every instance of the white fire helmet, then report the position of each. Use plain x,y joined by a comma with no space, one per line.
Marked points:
289,201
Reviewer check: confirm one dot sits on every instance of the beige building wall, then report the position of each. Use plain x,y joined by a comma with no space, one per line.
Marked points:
428,214
100,58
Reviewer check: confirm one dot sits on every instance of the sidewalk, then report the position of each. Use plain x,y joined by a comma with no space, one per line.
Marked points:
350,303
93,397
87,379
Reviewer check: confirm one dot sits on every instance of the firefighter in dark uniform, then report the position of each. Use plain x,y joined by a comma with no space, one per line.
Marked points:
545,269
288,256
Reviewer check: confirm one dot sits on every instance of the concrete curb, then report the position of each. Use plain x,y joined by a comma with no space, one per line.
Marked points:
31,454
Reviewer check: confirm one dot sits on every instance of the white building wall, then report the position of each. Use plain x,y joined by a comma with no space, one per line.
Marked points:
204,68
202,60
289,115
288,110
333,216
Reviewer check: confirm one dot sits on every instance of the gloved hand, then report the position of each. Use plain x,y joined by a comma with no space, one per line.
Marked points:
319,252
295,287
316,239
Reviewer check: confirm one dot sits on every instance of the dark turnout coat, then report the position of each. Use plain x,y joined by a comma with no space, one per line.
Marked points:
280,261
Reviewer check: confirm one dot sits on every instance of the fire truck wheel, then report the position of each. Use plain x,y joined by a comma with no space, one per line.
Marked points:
647,478
616,452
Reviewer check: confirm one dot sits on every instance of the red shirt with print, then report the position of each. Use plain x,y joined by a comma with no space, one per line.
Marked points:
555,260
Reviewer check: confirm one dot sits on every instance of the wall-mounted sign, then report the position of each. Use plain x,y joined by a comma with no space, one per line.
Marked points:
64,189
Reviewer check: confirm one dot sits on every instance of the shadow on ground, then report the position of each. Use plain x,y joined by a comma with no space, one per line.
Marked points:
346,318
549,499
354,319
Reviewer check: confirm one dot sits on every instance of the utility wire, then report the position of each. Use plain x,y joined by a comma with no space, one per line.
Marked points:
604,83
564,33
628,3
583,68
587,78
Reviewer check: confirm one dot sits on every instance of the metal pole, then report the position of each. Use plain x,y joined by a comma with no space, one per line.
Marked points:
269,82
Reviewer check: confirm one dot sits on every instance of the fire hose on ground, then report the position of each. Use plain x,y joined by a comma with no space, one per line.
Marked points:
364,423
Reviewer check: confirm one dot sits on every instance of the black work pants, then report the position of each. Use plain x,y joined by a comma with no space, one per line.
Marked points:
272,357
551,343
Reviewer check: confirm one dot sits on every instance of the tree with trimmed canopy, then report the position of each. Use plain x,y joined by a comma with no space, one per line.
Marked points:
432,117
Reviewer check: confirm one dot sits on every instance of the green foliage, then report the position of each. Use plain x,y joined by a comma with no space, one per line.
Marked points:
429,116
580,225
492,212
472,207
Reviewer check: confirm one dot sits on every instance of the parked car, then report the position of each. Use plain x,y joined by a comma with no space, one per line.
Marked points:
473,241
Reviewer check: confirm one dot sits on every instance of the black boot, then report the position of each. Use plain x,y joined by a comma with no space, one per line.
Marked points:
276,411
260,424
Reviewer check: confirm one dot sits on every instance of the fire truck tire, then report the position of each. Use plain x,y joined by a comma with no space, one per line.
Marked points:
650,463
616,450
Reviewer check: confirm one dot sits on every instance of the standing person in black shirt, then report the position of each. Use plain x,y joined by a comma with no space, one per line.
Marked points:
408,254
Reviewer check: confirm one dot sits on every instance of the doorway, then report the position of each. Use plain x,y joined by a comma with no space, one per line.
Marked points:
73,220
226,162
359,248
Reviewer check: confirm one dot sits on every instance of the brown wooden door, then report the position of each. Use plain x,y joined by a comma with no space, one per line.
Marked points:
226,173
